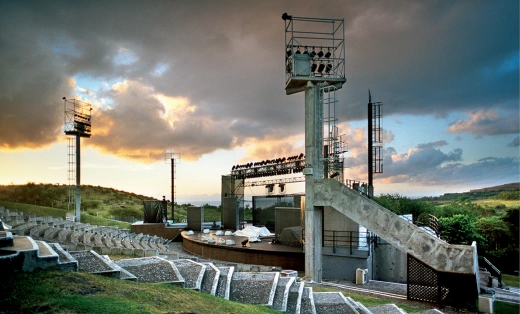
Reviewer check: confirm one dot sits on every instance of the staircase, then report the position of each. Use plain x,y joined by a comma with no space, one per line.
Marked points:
405,236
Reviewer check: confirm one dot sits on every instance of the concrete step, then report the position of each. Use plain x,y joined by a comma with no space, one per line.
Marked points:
295,298
92,262
281,295
332,303
307,303
360,308
253,287
152,269
386,309
66,261
224,281
210,279
191,271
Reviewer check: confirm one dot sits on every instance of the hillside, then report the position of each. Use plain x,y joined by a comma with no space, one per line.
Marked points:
96,201
492,192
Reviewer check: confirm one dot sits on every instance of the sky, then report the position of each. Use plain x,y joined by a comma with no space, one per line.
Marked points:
205,79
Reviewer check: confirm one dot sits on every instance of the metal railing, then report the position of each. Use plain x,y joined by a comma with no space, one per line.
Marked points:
491,268
353,240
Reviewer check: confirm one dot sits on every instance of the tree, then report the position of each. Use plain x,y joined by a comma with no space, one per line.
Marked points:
460,229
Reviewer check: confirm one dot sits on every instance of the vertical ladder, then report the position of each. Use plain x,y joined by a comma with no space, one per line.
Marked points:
71,173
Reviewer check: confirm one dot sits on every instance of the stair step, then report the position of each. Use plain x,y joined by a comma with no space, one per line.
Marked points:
307,306
386,309
91,262
281,295
295,298
253,287
332,303
358,306
152,269
66,261
224,281
210,279
191,271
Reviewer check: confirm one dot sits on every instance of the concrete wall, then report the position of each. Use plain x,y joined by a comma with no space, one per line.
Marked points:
334,220
344,267
389,264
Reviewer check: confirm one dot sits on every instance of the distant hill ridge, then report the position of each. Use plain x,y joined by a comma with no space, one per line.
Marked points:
504,187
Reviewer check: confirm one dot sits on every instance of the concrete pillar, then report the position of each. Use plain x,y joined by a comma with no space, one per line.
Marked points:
314,170
78,179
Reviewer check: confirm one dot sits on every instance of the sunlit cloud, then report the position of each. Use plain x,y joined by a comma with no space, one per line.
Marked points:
486,123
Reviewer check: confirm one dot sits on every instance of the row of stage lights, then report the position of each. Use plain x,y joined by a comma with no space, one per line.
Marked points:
315,67
268,162
270,173
312,54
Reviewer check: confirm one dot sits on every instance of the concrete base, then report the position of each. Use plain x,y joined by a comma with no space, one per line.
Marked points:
485,303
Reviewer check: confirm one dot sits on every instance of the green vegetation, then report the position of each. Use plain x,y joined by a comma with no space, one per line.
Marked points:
65,292
501,307
511,280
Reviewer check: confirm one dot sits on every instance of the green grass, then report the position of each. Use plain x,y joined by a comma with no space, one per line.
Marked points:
60,213
511,280
65,292
501,307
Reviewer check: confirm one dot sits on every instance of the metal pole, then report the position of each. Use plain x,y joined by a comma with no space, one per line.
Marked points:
173,190
370,187
78,178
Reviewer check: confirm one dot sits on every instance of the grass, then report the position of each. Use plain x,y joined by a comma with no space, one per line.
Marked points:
65,292
511,280
501,307
60,213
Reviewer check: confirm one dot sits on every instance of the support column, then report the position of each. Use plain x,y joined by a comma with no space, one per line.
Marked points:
77,211
314,170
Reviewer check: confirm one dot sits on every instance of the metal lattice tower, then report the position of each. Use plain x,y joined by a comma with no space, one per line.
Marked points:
71,172
334,146
77,123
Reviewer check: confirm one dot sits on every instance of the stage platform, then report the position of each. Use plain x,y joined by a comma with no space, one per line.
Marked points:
257,253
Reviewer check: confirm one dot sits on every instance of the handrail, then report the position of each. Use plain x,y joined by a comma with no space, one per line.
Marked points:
494,271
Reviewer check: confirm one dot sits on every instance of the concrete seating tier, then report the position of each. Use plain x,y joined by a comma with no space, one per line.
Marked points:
152,269
278,289
78,236
192,272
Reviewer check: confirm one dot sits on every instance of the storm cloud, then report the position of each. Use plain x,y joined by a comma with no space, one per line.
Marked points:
201,76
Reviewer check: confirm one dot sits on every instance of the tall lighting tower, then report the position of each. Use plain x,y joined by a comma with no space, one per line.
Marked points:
375,142
78,116
314,59
173,158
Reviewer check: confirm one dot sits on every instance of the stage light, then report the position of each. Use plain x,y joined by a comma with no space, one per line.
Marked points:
286,16
298,52
320,54
306,51
328,68
321,67
313,53
335,174
313,66
328,54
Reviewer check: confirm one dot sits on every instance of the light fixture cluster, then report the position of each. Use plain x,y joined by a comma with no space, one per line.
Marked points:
270,167
267,162
320,61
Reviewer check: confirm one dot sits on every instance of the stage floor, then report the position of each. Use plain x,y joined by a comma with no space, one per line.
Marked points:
256,253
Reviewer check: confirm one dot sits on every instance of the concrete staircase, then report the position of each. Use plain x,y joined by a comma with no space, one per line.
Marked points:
395,230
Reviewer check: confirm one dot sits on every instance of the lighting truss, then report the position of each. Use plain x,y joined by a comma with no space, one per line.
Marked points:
280,166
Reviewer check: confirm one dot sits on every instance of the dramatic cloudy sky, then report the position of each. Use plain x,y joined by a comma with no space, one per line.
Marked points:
206,80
